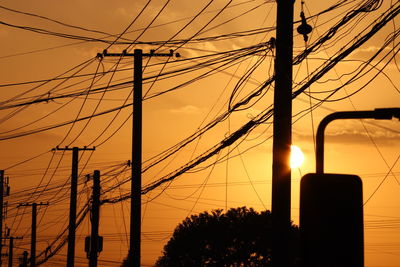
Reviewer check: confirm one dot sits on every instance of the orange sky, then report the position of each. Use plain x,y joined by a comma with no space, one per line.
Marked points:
369,149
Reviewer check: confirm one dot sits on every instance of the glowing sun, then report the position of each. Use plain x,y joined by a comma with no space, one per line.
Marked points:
296,157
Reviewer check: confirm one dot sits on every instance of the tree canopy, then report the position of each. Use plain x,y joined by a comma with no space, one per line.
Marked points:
239,237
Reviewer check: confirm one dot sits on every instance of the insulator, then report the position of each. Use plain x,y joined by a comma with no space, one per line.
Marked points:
304,28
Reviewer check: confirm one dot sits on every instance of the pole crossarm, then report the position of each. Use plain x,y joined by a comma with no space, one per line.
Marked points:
377,114
72,148
31,204
126,54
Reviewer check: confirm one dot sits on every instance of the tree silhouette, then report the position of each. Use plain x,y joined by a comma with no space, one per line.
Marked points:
239,237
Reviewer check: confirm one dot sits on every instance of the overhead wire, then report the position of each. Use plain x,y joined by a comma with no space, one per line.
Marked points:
379,24
80,111
363,124
382,181
52,20
97,106
83,212
59,125
18,110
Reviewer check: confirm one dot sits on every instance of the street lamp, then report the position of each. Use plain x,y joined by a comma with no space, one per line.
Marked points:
331,206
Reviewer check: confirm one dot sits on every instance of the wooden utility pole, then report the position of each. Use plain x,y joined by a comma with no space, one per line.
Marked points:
33,230
1,210
33,235
94,218
72,208
10,252
10,249
4,184
136,176
281,173
24,259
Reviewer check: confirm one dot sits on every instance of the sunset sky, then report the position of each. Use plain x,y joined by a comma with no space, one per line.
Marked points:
54,91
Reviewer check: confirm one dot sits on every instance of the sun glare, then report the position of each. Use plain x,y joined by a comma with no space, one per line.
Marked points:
296,157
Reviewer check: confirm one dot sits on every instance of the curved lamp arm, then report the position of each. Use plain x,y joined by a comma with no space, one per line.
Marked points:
378,114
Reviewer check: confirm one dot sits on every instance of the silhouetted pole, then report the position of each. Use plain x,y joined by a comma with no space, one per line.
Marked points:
1,210
281,173
11,249
136,175
136,184
33,235
33,230
24,259
10,252
94,236
72,208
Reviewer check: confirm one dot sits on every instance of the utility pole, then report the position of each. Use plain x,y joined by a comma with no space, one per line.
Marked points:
24,259
136,177
7,193
33,230
10,252
33,235
10,249
95,212
72,207
1,210
282,133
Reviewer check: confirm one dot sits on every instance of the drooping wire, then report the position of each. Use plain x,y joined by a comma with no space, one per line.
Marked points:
80,111
383,180
52,20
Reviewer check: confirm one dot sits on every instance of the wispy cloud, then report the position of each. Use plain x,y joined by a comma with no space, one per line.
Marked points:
188,110
355,134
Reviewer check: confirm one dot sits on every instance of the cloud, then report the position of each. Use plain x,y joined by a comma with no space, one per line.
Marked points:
187,110
353,136
357,135
367,52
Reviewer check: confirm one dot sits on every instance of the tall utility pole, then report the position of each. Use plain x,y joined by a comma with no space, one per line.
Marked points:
72,205
33,235
33,230
24,259
4,184
136,178
1,210
10,249
281,173
95,212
